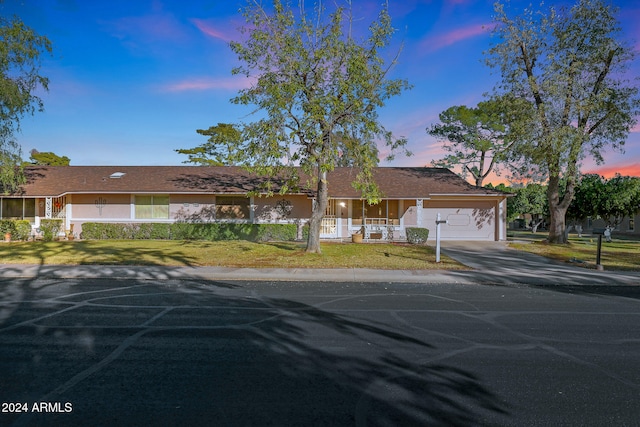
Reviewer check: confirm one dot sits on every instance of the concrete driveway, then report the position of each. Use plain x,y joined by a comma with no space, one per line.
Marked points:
495,262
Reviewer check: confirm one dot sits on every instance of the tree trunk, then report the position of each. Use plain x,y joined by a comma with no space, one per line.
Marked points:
557,225
319,208
557,212
535,223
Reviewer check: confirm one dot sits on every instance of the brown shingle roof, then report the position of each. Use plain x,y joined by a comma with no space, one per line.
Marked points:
47,181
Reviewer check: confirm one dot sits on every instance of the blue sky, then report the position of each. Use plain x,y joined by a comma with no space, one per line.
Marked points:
131,81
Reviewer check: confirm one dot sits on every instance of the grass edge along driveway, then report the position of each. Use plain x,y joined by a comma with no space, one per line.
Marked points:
621,254
237,253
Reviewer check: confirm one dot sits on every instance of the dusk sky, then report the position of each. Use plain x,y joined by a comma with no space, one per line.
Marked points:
131,81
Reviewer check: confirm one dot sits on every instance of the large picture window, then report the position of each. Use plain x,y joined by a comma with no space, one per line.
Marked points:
152,207
18,208
232,207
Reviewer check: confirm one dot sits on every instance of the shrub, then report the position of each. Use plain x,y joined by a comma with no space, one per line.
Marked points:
155,231
194,231
7,226
267,232
99,231
417,236
22,230
50,228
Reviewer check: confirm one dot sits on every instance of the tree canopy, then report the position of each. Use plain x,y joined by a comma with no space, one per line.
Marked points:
476,137
218,150
567,68
20,52
318,87
610,199
48,158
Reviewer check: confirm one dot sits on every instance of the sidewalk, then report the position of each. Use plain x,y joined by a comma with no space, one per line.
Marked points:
492,263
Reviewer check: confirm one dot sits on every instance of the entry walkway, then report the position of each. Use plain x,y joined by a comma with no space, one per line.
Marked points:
492,262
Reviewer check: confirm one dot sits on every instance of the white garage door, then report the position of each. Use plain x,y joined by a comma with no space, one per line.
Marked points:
466,221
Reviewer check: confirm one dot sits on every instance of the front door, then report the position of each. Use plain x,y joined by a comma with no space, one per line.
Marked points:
329,227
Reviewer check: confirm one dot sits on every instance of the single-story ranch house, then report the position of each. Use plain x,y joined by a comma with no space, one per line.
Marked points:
135,194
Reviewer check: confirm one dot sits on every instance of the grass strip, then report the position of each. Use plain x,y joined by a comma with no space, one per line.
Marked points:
391,256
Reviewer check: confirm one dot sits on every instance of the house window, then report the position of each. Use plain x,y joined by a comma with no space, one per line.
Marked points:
357,212
232,207
384,213
18,208
152,207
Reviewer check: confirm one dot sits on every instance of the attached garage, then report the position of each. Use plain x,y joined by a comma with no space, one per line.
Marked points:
467,219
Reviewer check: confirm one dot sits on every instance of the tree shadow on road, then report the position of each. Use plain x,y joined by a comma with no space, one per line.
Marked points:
195,351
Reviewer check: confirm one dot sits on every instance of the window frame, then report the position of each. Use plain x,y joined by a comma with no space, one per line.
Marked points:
156,208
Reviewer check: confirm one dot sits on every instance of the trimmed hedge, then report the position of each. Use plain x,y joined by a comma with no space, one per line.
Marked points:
188,231
417,236
104,231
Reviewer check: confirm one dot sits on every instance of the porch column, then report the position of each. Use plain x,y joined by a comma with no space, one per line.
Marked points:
68,211
419,212
48,207
501,220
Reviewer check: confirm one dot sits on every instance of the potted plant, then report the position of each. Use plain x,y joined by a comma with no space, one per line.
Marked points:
357,236
69,233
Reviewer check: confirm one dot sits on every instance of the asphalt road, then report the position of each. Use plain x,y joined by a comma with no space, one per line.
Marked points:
196,352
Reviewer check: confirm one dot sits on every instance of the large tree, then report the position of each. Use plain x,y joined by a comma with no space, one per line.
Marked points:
318,86
475,137
216,151
20,52
568,66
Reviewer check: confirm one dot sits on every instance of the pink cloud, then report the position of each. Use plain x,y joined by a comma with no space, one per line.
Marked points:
212,30
201,84
436,42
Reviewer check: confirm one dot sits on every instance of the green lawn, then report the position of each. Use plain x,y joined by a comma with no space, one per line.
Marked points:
622,254
225,253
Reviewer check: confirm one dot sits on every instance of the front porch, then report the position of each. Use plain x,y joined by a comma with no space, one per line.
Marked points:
384,221
34,210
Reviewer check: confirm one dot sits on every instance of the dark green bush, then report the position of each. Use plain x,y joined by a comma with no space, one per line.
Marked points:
190,231
7,226
50,228
156,230
417,236
270,232
100,231
194,231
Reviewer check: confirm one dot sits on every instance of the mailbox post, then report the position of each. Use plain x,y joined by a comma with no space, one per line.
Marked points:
600,232
438,223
